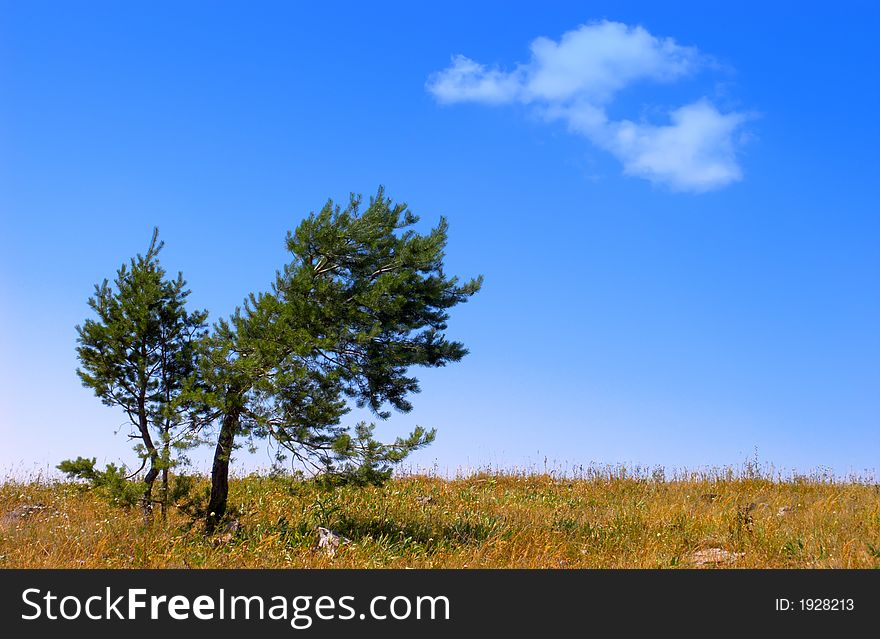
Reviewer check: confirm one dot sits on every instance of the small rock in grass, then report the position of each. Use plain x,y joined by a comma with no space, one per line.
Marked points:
329,541
24,512
223,539
232,526
714,556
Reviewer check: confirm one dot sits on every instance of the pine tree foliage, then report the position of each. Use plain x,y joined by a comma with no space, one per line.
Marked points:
138,351
363,299
113,483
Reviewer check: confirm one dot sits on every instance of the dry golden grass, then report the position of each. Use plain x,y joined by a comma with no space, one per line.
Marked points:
487,520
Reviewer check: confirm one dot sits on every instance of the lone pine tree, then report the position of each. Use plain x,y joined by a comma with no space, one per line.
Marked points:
136,354
363,298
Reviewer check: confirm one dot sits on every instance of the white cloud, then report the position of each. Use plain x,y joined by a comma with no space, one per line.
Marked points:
599,59
576,78
468,81
696,152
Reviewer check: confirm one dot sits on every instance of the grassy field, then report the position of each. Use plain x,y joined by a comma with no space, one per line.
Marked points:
484,520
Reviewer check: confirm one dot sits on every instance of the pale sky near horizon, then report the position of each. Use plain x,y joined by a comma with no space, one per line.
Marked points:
675,209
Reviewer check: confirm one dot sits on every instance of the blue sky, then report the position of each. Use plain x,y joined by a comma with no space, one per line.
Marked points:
674,208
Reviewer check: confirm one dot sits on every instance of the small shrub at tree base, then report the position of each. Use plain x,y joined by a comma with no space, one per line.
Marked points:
111,483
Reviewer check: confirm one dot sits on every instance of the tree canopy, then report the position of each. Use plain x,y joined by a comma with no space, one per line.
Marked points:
137,352
363,299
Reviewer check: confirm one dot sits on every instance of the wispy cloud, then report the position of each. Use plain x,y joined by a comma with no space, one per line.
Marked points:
576,78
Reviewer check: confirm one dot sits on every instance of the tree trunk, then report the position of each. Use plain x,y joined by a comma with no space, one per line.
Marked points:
147,498
164,502
150,478
220,472
166,463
